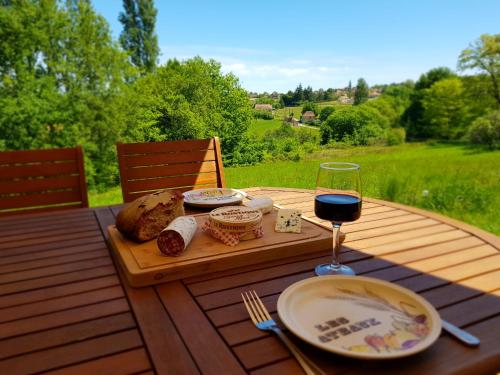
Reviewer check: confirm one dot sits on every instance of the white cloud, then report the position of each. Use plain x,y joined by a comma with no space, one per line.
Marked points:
269,70
293,72
238,69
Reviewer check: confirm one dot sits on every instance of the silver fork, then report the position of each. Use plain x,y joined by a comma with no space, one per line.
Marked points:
262,320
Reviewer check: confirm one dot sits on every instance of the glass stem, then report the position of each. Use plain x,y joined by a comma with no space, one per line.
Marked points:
336,245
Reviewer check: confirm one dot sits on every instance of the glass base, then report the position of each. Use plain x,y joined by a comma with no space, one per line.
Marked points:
330,269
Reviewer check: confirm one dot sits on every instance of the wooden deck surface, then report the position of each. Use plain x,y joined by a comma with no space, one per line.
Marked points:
65,307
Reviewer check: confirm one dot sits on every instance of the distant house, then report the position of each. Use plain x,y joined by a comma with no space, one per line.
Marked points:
307,116
263,107
374,93
345,100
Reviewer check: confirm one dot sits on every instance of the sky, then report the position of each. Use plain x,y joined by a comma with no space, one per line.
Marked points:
274,45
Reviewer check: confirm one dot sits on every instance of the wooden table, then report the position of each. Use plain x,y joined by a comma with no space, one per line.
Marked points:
64,307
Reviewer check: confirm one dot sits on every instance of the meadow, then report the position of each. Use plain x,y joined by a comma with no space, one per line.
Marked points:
259,127
297,111
453,180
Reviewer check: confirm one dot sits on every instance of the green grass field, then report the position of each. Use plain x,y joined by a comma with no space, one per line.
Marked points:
259,127
288,111
297,111
460,182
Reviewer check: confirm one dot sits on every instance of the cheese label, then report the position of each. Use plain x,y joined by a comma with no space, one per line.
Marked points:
288,220
235,218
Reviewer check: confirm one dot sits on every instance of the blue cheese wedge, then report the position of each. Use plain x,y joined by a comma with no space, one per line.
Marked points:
288,220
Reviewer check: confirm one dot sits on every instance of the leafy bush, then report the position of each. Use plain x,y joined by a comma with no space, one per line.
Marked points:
356,125
325,112
310,106
189,99
249,152
287,143
486,131
265,115
386,107
395,136
61,73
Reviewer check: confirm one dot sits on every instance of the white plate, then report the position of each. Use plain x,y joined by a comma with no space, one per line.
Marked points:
215,197
359,316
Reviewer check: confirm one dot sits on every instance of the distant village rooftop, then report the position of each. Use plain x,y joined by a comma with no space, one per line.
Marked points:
263,107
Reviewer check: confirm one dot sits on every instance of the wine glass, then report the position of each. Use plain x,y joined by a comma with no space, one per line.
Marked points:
338,199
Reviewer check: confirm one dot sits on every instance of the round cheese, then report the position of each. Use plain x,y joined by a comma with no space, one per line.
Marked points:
235,219
264,204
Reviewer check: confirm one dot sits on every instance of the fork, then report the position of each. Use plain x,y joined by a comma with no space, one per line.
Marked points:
263,321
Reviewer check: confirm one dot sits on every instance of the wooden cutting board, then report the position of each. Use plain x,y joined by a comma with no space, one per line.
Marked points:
144,264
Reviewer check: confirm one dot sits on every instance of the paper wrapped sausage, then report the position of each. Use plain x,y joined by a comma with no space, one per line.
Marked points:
174,239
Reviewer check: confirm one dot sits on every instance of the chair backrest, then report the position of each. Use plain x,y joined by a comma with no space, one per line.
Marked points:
42,180
180,165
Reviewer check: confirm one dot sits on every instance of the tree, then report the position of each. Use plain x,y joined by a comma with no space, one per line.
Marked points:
308,94
325,112
445,110
413,117
399,95
349,89
60,72
310,106
298,95
138,36
426,80
484,55
361,94
486,130
357,125
185,100
385,105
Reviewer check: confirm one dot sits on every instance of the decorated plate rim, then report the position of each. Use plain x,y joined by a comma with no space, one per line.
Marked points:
429,309
236,195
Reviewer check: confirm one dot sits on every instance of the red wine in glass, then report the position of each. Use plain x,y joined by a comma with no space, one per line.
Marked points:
337,207
338,199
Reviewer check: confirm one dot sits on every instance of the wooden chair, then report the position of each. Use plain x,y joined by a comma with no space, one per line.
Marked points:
180,165
42,180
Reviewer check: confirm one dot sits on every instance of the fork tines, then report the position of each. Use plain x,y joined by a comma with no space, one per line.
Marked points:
256,309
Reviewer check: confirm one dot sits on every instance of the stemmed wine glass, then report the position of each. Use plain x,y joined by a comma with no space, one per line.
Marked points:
338,199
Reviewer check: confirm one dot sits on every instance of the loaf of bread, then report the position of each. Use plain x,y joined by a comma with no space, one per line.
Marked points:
144,218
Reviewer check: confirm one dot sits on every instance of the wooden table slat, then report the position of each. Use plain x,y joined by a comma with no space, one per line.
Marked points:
19,239
61,318
196,332
431,251
68,246
58,291
35,219
72,353
54,261
134,361
51,239
47,255
41,228
103,260
67,334
61,303
64,278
